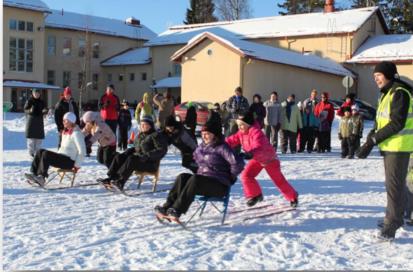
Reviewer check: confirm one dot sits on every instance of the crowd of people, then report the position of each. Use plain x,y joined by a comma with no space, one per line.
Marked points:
234,131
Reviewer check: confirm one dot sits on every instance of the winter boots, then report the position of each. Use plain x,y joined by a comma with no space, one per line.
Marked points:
254,200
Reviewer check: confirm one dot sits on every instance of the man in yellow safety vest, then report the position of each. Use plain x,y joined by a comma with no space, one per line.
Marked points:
393,133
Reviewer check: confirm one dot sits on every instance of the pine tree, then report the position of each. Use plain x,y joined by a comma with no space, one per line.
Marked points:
200,11
301,6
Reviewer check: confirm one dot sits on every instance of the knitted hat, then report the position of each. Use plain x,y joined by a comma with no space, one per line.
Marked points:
346,109
247,119
213,127
148,119
171,122
125,102
89,116
387,68
70,116
67,91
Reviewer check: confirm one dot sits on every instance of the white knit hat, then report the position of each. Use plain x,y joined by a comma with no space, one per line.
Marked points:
70,116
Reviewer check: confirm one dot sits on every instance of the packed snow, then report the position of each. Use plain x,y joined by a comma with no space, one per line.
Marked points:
89,228
136,56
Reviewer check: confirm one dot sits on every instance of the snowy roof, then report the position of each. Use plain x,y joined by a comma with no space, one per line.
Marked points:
131,57
32,85
385,47
106,26
277,26
168,82
269,53
35,5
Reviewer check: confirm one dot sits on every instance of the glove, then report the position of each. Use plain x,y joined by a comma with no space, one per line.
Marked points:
366,148
340,137
75,169
246,155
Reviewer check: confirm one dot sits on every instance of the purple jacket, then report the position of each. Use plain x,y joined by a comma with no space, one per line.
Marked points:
217,160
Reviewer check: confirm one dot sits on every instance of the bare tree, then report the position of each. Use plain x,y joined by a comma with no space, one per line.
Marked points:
230,10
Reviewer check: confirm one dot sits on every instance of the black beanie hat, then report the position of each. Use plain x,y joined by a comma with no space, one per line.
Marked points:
148,119
247,118
171,122
213,127
387,68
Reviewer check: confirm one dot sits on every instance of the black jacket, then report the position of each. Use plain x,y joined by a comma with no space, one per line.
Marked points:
125,119
61,108
190,118
398,109
34,109
183,140
151,146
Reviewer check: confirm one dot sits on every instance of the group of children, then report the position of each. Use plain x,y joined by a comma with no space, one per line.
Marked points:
350,131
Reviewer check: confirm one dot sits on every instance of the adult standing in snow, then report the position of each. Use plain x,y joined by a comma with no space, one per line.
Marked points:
217,172
310,123
35,110
65,104
291,123
165,107
125,124
393,133
236,105
144,108
272,120
262,155
258,109
69,156
324,111
190,118
109,106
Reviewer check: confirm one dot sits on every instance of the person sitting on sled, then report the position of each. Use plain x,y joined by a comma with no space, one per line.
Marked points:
218,169
150,146
262,155
70,155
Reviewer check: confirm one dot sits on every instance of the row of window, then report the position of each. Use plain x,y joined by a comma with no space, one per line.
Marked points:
67,79
21,55
131,77
21,25
67,47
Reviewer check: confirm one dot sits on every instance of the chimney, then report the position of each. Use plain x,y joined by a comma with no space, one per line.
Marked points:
132,21
329,6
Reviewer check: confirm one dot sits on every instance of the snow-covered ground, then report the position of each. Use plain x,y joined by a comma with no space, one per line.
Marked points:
89,228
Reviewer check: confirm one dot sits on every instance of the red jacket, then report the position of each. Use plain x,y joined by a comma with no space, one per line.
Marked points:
109,107
325,106
340,111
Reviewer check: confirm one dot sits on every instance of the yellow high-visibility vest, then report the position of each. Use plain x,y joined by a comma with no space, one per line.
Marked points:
403,140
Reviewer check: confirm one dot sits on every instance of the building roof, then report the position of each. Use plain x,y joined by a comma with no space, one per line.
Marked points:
385,47
101,25
346,21
135,56
35,5
269,53
167,82
31,85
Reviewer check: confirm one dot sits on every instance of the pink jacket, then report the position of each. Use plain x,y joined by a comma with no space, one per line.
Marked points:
255,142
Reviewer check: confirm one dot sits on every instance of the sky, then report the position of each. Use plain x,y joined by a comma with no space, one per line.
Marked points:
157,15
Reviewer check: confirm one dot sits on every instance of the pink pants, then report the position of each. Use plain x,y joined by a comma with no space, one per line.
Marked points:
251,186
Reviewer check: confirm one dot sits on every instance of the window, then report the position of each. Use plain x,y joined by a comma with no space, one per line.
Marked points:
29,26
22,25
132,77
177,69
50,77
120,77
109,78
66,78
67,46
81,44
12,24
95,79
95,50
80,80
21,55
143,76
51,45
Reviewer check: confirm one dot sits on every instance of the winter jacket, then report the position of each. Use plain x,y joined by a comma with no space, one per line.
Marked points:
166,108
310,118
273,113
214,117
61,108
109,106
73,145
217,160
125,119
259,112
325,106
190,118
255,142
34,110
144,108
102,133
183,140
151,146
346,127
358,125
237,105
294,122
340,111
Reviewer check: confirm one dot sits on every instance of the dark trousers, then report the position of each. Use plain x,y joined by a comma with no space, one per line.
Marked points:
288,138
307,139
106,154
395,172
272,134
88,144
186,186
409,200
323,138
113,124
347,147
44,158
123,138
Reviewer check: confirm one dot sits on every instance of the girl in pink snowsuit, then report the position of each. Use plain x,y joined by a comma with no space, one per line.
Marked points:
256,145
